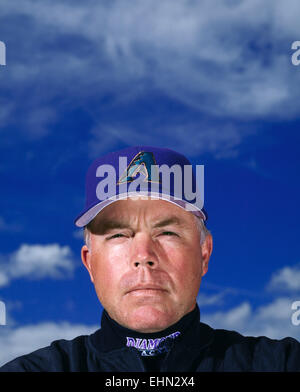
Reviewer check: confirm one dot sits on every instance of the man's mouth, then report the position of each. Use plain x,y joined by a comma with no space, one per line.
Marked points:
146,290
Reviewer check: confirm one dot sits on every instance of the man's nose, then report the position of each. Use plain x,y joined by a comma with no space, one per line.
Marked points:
143,251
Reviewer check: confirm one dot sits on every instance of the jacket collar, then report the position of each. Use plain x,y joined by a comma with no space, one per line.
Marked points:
189,331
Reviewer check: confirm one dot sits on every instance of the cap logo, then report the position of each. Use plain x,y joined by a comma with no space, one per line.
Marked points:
143,163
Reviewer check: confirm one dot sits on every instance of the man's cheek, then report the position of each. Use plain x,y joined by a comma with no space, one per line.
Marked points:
107,276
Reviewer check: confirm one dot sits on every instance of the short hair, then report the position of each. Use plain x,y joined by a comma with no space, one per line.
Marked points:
203,231
86,236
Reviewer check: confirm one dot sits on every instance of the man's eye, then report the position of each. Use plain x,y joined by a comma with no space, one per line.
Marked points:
118,235
169,233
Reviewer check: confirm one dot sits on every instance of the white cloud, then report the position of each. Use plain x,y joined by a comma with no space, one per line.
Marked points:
2,313
37,262
231,319
286,279
273,320
214,299
23,340
227,58
4,280
188,138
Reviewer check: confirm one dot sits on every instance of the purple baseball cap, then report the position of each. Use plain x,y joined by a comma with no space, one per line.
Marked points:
159,173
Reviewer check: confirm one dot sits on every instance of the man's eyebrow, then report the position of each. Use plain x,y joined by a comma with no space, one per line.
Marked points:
173,220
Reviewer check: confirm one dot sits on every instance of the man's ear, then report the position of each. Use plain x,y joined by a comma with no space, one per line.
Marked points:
206,248
86,259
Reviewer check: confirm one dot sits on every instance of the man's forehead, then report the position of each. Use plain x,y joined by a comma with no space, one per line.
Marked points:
125,216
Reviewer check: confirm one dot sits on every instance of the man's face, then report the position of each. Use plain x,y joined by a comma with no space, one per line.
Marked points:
146,262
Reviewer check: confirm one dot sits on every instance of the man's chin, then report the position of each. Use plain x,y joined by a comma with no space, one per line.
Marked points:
149,319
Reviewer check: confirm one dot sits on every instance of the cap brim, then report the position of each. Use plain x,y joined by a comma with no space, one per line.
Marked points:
87,216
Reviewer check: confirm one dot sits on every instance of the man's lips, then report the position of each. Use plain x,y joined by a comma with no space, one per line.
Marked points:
146,289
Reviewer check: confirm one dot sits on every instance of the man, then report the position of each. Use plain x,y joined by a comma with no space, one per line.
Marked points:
147,249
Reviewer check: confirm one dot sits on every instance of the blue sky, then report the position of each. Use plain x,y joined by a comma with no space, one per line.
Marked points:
211,79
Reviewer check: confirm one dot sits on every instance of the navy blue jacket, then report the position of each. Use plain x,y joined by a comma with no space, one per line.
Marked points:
196,348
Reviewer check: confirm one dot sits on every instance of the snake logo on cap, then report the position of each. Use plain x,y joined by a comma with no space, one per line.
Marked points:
143,163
